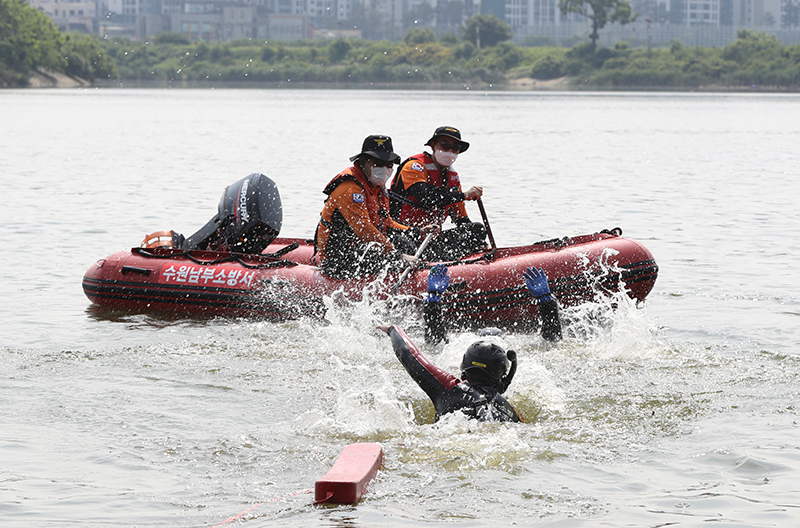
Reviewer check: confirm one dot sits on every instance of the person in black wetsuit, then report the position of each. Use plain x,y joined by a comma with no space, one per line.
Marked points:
486,369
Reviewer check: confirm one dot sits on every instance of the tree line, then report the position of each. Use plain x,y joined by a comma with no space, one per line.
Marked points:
422,59
483,55
29,40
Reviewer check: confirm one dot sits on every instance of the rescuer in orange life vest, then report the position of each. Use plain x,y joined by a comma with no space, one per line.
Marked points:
425,190
356,236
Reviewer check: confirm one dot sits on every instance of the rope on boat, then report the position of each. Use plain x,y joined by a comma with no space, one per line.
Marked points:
277,263
558,243
555,243
488,255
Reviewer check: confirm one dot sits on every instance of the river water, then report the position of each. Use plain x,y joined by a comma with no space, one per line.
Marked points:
682,412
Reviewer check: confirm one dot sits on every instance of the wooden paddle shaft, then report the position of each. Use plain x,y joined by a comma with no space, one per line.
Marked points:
416,255
486,223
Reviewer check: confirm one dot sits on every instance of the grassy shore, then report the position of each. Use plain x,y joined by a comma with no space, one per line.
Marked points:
754,61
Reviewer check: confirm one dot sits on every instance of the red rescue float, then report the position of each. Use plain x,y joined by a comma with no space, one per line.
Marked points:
347,480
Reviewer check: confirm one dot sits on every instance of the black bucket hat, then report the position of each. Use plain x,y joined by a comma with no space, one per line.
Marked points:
378,147
451,132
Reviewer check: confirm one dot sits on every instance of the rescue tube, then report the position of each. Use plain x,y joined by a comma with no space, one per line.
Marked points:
347,480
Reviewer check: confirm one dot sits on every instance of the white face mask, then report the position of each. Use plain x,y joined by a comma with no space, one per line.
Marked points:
445,158
380,175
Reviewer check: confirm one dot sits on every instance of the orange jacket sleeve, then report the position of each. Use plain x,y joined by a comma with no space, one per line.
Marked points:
413,172
460,210
397,225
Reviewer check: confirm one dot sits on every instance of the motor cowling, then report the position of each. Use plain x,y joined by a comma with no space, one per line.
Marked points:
249,218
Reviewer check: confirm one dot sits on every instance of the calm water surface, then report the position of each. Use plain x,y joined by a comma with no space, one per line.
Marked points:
681,413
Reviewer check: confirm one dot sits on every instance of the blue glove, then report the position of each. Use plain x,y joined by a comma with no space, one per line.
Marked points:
438,281
536,281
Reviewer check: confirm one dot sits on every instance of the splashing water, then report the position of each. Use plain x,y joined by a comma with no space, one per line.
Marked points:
611,325
375,306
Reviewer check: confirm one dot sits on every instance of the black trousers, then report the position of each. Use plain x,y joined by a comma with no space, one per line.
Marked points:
456,243
346,262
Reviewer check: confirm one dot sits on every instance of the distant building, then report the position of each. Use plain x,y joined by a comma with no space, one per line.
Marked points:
753,13
336,33
496,8
519,13
70,15
694,22
222,22
700,12
288,27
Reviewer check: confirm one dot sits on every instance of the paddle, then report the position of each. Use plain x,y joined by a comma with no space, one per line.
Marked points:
416,255
486,223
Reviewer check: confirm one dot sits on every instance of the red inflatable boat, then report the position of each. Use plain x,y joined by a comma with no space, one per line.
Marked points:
250,272
485,288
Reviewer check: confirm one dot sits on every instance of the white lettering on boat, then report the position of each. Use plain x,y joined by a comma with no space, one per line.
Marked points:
206,276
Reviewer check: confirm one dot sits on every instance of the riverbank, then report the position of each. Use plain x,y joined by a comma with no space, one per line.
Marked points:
562,84
47,78
755,62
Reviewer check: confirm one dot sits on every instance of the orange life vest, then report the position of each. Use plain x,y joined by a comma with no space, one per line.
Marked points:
376,201
412,212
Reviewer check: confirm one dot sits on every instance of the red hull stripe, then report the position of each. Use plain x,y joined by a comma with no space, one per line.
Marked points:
129,294
567,289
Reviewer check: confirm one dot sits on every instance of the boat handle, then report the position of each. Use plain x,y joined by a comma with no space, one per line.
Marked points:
134,269
460,285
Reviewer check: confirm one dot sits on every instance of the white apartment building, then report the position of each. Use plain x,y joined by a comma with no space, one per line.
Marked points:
701,12
536,13
125,7
339,9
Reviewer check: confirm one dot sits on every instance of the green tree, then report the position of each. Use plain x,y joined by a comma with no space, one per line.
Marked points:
165,37
86,58
486,30
503,57
548,67
753,48
419,35
338,50
600,12
449,39
465,50
28,39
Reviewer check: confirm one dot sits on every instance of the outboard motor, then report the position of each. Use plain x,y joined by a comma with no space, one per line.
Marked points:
249,218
